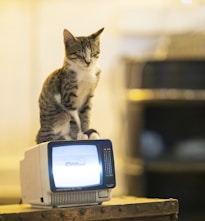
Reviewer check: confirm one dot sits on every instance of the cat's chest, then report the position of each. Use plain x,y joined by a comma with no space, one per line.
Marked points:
86,84
87,75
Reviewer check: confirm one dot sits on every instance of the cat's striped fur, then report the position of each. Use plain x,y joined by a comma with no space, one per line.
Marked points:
65,99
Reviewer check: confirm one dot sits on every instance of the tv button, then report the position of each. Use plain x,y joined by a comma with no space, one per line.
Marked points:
103,194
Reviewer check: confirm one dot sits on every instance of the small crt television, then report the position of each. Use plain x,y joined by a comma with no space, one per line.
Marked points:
67,173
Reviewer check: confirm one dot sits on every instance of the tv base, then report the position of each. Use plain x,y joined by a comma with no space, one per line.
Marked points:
62,206
71,199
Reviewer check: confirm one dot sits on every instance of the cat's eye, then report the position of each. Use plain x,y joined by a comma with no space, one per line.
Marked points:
96,55
73,56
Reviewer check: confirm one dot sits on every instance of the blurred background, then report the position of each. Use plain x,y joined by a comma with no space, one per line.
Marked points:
151,91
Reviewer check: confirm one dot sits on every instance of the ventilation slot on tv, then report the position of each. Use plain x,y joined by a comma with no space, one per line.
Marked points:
73,198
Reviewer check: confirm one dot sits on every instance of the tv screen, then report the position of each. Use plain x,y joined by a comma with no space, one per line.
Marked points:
75,166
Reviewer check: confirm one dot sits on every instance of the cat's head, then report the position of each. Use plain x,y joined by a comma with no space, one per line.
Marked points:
82,51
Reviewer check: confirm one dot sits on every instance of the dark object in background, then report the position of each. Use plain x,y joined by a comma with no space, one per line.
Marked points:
180,74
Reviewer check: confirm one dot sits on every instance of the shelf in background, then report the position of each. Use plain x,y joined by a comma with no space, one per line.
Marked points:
175,166
144,95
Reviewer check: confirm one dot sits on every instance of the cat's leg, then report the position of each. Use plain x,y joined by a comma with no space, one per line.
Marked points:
84,115
45,134
60,124
76,126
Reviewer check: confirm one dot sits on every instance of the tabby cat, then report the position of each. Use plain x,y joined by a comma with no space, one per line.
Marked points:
65,99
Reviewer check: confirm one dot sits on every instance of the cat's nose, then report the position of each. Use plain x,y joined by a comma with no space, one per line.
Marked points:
87,62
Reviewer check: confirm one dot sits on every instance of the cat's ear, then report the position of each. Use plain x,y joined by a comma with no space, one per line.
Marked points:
97,34
68,37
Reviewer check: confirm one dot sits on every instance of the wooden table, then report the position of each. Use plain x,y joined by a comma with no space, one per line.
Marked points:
118,209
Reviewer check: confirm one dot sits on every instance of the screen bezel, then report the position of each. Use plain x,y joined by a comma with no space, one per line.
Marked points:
105,182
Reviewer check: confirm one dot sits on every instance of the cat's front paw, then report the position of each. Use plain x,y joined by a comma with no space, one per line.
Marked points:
92,134
82,136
